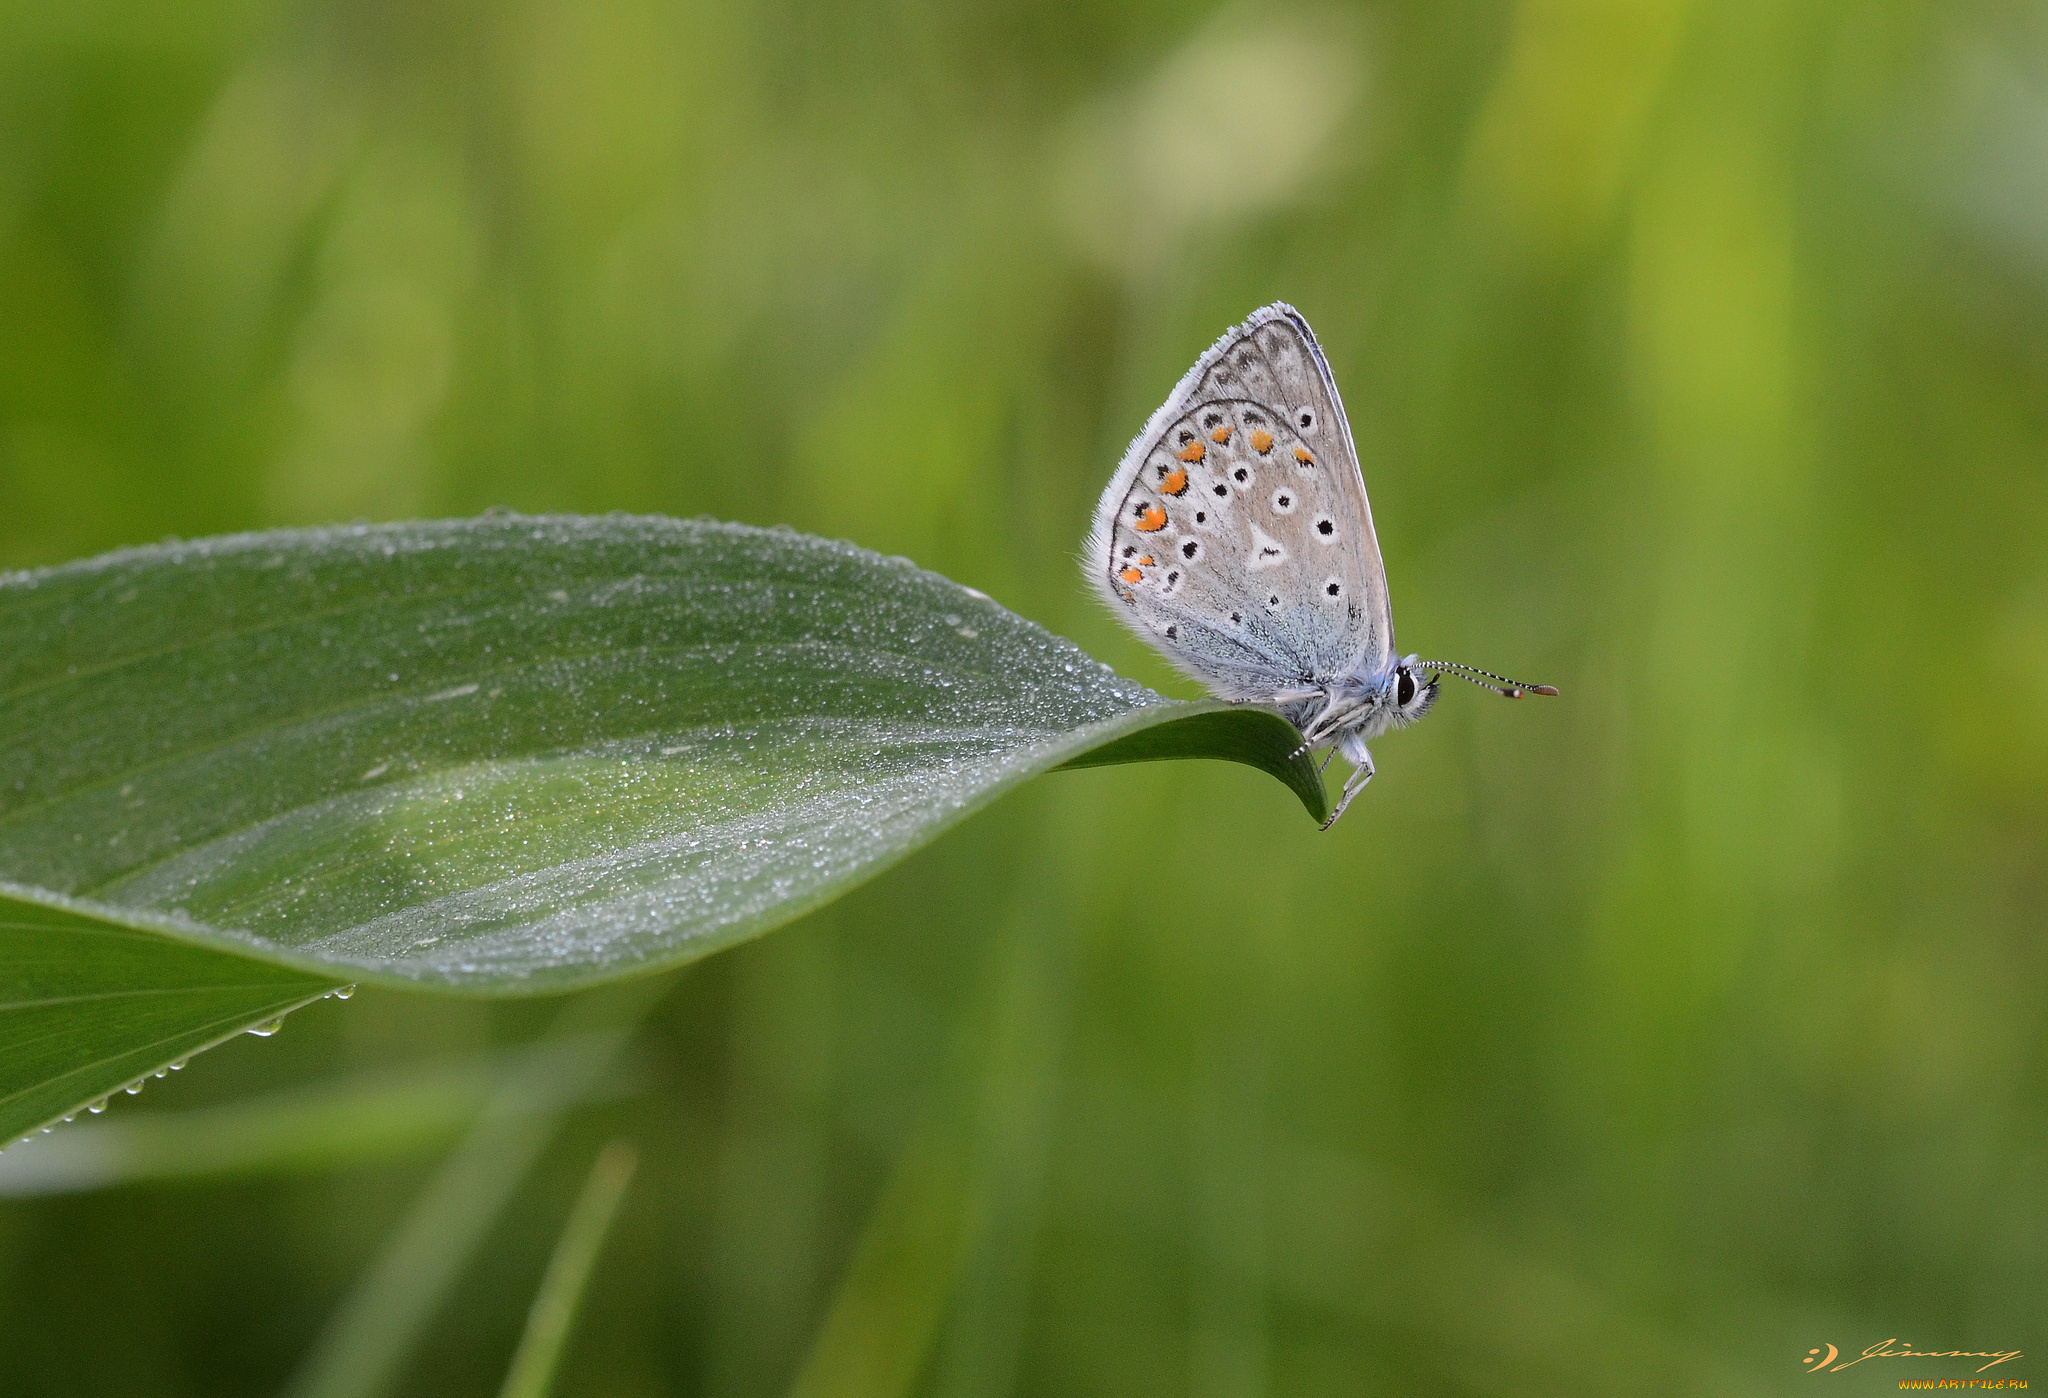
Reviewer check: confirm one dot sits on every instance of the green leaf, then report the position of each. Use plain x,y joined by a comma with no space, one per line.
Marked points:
370,1117
499,756
88,1007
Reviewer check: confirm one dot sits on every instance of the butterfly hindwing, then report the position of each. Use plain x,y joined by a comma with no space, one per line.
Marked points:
1236,536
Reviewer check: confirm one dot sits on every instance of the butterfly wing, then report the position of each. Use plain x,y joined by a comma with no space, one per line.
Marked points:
1235,536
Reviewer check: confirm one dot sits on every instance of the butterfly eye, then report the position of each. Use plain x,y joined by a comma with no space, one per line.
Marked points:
1305,418
1404,693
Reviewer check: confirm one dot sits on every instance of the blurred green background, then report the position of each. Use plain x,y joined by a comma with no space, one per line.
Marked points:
1637,1042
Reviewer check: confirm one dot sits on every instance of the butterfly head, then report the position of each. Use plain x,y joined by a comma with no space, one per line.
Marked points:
1410,693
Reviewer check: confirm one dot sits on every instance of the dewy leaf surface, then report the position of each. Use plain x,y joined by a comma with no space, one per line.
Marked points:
514,754
496,756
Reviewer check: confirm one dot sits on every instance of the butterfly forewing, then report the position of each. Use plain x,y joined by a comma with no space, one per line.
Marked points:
1236,536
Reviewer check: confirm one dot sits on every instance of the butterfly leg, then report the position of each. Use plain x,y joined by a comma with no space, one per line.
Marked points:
1308,730
1332,716
1361,773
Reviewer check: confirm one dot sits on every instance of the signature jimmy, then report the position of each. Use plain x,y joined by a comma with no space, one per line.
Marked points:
1883,1350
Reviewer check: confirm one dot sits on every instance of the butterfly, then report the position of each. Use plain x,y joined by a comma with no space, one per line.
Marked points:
1236,539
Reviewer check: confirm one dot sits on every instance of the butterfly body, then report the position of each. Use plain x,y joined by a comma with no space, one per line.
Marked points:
1237,539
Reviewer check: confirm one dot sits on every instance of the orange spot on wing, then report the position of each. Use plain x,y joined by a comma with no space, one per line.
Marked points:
1177,482
1152,521
1131,575
1262,440
1193,451
1146,560
1221,434
1301,454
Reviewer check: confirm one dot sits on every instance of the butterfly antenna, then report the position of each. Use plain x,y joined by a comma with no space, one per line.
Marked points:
1499,684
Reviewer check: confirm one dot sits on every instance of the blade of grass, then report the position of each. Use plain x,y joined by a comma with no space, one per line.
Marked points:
532,1374
979,1134
368,1338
